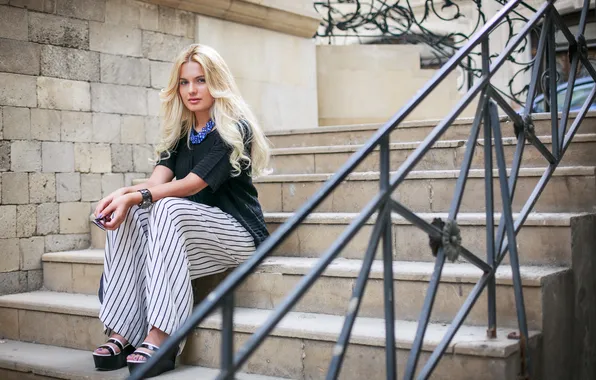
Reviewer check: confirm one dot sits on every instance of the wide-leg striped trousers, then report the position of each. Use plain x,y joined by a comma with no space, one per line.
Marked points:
152,257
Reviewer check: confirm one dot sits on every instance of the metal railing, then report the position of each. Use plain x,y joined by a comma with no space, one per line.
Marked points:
445,235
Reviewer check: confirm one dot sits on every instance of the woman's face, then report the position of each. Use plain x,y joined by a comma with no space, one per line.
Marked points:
193,88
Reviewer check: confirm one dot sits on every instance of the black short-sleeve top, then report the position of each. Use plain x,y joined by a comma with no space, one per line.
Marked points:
234,195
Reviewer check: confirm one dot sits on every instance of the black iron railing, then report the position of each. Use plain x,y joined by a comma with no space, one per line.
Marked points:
444,234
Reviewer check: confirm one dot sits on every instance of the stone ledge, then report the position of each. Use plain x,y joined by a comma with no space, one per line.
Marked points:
259,13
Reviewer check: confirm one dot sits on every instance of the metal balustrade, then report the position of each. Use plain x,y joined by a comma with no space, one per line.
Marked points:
444,235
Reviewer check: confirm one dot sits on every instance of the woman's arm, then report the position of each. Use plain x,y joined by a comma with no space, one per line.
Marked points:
189,185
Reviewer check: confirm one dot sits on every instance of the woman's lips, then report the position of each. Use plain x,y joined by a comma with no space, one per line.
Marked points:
194,101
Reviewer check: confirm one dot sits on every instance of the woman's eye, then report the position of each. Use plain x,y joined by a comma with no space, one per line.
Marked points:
183,82
201,80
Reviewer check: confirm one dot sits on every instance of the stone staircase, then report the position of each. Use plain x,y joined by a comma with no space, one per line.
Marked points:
62,318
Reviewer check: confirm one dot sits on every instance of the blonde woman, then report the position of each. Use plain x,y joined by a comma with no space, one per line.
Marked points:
163,233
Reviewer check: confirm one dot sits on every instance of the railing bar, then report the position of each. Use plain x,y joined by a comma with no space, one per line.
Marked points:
302,287
388,294
554,109
356,300
514,116
458,320
583,18
568,98
578,119
227,337
536,69
460,185
561,24
535,140
588,66
425,316
509,227
473,259
513,176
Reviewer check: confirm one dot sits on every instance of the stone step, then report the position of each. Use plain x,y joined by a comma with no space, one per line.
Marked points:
79,272
545,239
300,347
447,155
570,189
21,360
407,131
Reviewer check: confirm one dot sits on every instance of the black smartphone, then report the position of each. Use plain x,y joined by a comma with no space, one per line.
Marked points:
98,223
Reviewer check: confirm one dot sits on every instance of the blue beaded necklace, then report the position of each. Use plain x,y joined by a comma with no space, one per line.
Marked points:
198,137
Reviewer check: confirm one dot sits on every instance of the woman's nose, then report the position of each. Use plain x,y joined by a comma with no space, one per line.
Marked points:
192,88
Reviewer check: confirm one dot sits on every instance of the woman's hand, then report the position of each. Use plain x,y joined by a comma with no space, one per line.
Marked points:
99,210
118,208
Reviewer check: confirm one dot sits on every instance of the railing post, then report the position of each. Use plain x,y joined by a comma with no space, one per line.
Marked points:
227,337
388,265
552,79
491,332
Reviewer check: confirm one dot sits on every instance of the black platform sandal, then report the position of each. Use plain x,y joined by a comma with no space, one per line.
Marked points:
167,364
114,360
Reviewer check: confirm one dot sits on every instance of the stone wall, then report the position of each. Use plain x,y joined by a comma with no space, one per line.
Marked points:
79,104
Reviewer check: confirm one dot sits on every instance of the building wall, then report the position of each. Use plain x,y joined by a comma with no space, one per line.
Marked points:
370,83
79,107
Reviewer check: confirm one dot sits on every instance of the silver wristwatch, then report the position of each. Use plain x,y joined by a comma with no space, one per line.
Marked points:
147,199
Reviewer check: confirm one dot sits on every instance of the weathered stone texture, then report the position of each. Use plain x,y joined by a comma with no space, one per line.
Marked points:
58,157
111,182
129,177
9,255
8,221
26,220
85,9
152,129
47,6
4,155
125,70
45,124
90,187
70,242
25,156
42,187
69,63
19,57
16,123
76,126
34,279
141,155
111,98
18,90
160,74
153,102
122,158
115,39
48,221
177,22
74,217
57,30
132,13
133,130
13,282
95,158
63,94
163,47
106,128
15,188
13,23
31,250
68,187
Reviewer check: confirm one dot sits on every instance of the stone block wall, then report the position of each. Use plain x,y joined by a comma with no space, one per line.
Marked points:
79,84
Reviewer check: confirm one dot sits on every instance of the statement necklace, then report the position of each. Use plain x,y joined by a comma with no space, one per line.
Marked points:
198,137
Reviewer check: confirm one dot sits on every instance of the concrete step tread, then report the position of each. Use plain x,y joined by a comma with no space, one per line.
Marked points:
342,267
564,171
470,340
463,219
67,363
587,137
405,124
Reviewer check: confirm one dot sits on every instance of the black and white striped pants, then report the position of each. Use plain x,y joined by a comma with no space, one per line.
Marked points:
152,257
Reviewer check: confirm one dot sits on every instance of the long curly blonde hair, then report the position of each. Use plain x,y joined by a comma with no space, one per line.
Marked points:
229,112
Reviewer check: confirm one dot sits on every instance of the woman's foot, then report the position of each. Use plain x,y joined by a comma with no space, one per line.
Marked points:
112,355
155,338
105,351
